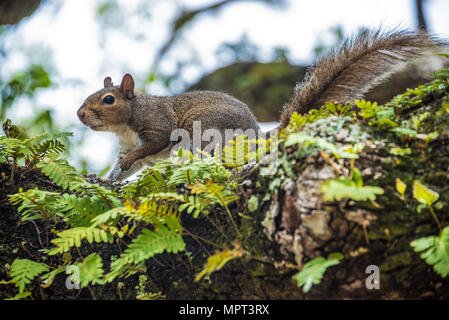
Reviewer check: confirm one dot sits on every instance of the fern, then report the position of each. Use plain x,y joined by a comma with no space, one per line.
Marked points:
313,271
50,146
33,149
343,187
73,237
435,251
196,205
167,174
152,208
20,296
165,237
76,210
63,174
150,296
37,204
217,193
23,271
149,181
219,259
110,217
188,169
205,196
90,270
50,276
297,121
96,214
81,209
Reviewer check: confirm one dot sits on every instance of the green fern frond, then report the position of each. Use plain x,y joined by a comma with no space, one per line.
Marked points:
50,276
73,237
11,147
219,259
53,146
435,251
150,296
313,271
109,217
149,181
195,205
241,151
34,139
297,121
235,154
166,236
90,270
73,209
23,271
82,209
63,174
37,204
190,169
20,296
154,207
218,193
32,149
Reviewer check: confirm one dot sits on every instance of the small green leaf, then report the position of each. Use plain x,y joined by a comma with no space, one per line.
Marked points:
400,152
90,270
444,55
423,194
357,177
253,203
313,271
219,259
20,295
446,107
23,271
400,186
405,131
342,187
435,251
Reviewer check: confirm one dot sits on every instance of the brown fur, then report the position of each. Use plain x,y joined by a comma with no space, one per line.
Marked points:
153,119
360,64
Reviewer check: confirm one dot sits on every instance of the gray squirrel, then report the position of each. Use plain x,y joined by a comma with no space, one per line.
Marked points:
144,123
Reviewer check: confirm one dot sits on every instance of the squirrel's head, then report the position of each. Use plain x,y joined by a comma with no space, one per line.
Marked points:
109,107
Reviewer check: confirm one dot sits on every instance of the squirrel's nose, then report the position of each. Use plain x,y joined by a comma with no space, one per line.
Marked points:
81,114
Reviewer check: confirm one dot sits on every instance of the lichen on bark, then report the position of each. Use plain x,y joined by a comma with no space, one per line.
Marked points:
411,145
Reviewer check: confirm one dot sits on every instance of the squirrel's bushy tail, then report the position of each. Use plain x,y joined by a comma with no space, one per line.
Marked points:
357,66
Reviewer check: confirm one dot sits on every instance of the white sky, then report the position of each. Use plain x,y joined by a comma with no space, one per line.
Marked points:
83,56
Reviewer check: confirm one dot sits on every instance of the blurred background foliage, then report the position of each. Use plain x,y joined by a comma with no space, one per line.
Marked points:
264,86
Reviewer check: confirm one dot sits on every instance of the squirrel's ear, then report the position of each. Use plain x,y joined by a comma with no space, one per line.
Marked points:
107,82
127,86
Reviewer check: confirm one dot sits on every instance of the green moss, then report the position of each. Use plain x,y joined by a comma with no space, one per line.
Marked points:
396,261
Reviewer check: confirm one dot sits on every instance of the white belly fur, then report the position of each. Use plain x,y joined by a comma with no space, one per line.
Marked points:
129,140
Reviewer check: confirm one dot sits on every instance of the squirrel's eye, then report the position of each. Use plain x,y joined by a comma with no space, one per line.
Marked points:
109,99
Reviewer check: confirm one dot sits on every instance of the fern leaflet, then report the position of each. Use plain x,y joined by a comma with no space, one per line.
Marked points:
23,271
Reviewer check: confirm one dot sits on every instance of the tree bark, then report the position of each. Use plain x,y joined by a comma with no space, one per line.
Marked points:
12,12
